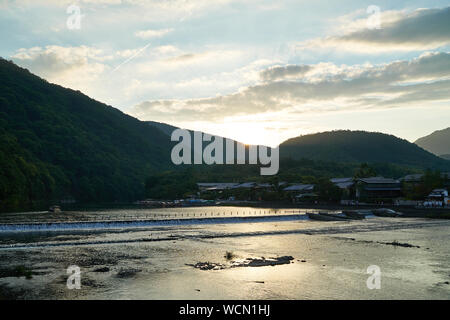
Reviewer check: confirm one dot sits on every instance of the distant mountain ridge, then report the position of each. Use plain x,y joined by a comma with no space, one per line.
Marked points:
437,142
168,129
360,146
164,127
355,146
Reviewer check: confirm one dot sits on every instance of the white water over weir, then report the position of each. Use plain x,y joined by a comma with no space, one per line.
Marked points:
129,224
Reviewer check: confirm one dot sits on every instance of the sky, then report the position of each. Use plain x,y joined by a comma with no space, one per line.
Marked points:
256,71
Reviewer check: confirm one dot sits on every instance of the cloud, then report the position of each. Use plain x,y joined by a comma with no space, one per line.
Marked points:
168,59
78,68
183,80
358,87
184,57
422,29
282,72
57,61
147,34
155,10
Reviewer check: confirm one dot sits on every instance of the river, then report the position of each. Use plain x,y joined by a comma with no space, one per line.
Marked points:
150,253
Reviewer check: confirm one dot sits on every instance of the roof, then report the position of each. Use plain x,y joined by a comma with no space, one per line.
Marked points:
304,195
418,176
438,193
300,187
383,189
378,180
341,180
412,177
216,188
216,185
344,185
245,185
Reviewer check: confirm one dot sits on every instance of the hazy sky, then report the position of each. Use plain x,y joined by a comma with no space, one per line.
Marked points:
257,71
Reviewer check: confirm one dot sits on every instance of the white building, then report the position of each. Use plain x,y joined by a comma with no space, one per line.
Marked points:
437,198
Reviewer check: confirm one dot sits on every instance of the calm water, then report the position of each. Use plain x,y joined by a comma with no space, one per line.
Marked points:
149,262
154,213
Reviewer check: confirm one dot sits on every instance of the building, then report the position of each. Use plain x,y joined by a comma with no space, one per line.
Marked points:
417,178
412,178
343,183
412,181
446,176
438,194
346,185
214,186
300,188
245,185
301,192
437,198
264,186
377,188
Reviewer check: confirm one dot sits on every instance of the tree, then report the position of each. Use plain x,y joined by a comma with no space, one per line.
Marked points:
327,190
364,171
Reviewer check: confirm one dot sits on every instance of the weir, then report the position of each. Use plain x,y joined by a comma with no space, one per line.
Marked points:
126,224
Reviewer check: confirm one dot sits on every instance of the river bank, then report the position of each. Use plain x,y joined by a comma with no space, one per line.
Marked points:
408,211
432,213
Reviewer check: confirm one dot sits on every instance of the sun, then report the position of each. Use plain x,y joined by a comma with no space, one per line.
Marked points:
249,133
246,131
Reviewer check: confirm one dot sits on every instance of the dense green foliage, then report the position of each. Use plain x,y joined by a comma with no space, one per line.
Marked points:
365,171
419,190
182,181
327,191
165,128
361,146
57,143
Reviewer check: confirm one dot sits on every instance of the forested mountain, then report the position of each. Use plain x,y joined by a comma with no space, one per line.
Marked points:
164,127
347,146
307,159
168,129
438,142
360,146
57,143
